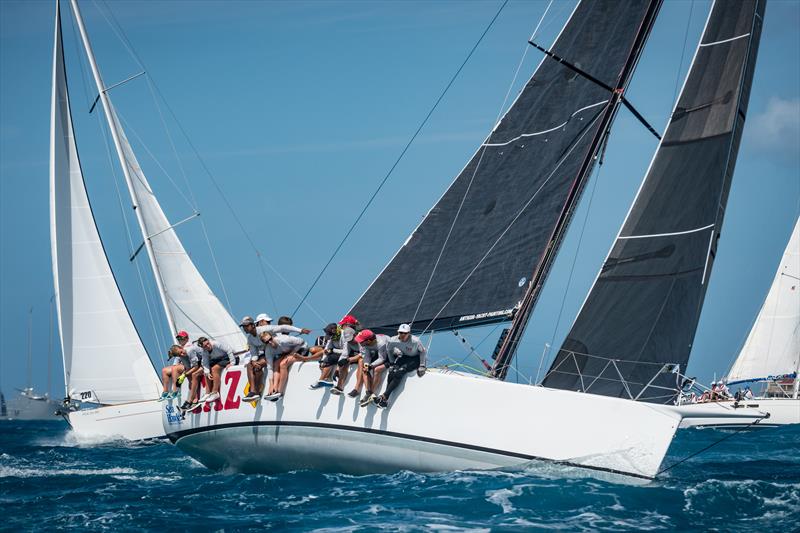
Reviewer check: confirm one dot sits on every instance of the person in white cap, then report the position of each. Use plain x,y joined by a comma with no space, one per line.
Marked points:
406,353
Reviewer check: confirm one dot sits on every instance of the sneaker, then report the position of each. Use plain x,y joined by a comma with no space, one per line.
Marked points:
353,394
367,399
211,397
194,405
337,391
327,383
251,397
176,395
381,402
164,396
317,385
276,398
272,397
185,406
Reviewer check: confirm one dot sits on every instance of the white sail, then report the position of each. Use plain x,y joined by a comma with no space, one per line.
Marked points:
773,346
190,302
104,358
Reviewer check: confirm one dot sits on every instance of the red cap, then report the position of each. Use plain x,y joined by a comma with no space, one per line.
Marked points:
365,335
348,320
182,333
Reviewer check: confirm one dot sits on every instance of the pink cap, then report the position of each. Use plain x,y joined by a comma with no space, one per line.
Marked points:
365,335
182,333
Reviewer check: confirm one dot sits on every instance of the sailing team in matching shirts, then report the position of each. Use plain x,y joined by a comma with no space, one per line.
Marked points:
277,348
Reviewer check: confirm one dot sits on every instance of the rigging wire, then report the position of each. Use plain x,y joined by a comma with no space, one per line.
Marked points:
399,158
706,448
683,51
482,151
596,180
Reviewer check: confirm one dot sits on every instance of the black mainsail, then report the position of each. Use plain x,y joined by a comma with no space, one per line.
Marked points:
471,260
640,317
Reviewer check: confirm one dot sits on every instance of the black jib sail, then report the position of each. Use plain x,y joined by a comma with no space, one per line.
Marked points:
470,260
638,322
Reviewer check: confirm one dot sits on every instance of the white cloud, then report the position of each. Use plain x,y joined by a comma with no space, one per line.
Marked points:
777,128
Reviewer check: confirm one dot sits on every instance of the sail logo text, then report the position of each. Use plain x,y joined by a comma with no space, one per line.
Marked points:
489,314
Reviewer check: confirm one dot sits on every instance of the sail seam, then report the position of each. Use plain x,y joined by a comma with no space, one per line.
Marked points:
603,102
701,45
665,234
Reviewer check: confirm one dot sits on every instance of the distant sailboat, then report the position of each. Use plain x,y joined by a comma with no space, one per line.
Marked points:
106,366
769,361
481,255
28,405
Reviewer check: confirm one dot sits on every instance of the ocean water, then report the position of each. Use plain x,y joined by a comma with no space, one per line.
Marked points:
49,481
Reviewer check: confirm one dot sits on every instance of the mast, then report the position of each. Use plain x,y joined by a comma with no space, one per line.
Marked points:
115,135
30,347
509,345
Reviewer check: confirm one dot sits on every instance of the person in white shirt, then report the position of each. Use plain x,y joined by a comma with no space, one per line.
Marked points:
406,354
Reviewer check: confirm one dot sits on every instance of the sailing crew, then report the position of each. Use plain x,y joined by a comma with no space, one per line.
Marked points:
350,352
188,357
374,355
285,325
280,348
171,373
331,351
216,356
406,354
257,361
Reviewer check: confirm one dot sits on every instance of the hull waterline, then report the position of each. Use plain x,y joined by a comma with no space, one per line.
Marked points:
129,421
780,411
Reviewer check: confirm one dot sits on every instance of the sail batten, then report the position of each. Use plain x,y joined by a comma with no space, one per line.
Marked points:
645,304
470,261
92,315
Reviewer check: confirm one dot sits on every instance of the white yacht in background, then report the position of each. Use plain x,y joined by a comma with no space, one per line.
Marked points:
769,362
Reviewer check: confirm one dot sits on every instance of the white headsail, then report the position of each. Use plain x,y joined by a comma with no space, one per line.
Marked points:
189,303
104,358
773,346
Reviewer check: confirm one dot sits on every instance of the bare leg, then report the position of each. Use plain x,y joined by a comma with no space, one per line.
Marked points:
375,381
216,375
165,373
286,364
194,384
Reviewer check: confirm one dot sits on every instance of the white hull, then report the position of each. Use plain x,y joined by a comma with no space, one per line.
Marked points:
130,421
781,411
443,421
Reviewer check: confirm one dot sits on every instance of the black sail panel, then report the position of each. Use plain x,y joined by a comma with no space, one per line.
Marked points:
642,312
470,259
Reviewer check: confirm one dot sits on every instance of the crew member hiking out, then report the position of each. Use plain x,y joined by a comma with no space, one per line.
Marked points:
374,356
216,356
282,350
331,351
406,354
350,352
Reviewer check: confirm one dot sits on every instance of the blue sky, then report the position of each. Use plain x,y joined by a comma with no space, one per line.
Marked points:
299,108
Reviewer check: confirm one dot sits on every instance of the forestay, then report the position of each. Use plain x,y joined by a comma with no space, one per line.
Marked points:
643,309
104,358
470,260
772,348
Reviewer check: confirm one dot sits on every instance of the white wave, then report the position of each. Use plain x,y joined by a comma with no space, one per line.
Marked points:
292,501
12,471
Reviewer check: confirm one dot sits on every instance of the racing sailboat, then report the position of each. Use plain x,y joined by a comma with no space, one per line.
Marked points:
111,385
769,361
482,254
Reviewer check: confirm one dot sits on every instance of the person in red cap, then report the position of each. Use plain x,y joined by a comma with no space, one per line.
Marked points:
374,355
349,351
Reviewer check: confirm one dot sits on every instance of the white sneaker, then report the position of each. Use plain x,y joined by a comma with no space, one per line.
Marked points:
272,397
211,397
